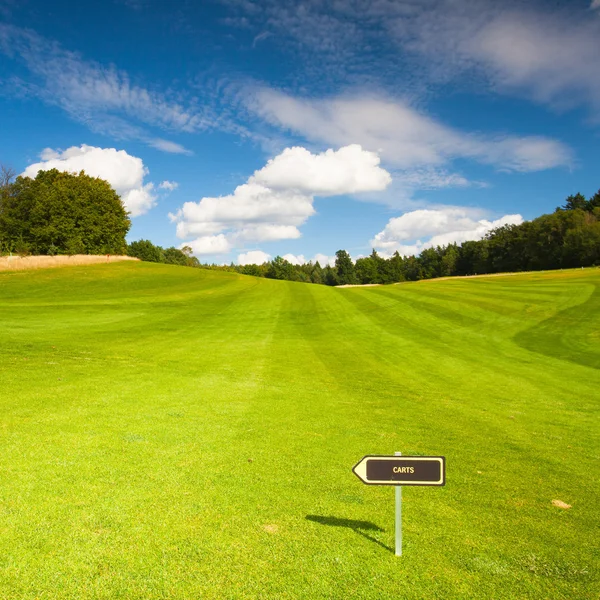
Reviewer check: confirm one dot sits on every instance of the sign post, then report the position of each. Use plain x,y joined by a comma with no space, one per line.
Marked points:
401,470
398,492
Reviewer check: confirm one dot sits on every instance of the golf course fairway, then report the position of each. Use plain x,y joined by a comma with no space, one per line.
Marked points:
169,432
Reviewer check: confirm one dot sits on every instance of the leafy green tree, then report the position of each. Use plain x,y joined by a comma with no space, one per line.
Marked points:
63,213
594,201
330,276
344,268
472,258
431,263
575,201
383,268
449,260
279,268
366,270
145,250
316,274
175,256
412,269
582,246
396,267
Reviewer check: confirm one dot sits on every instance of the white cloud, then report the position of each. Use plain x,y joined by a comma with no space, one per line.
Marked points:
253,257
295,260
168,146
403,136
124,172
419,229
324,260
257,257
170,186
278,198
214,244
349,170
595,4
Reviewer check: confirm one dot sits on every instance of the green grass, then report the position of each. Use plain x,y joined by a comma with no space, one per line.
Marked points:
169,432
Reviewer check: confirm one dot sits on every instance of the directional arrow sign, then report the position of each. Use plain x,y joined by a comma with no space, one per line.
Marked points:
401,470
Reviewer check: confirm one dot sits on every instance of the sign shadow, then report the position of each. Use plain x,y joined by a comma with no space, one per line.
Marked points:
357,526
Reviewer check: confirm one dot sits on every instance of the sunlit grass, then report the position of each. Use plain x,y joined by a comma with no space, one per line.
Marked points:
176,433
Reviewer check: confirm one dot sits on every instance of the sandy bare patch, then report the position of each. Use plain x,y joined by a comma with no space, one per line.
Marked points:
18,263
271,528
560,504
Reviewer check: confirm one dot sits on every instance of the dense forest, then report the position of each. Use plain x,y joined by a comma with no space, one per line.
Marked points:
64,213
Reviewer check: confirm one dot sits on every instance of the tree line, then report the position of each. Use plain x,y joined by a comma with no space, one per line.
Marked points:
65,213
567,238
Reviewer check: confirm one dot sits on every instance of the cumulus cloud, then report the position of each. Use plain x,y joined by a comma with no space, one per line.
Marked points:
278,199
349,170
324,260
170,186
299,259
124,172
295,260
258,257
253,257
403,136
426,228
212,244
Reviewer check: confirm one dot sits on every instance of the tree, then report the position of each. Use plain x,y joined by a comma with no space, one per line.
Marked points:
344,268
594,201
396,267
145,250
431,263
174,256
582,245
62,213
330,276
472,258
316,273
575,201
7,175
449,260
412,267
366,270
279,268
6,189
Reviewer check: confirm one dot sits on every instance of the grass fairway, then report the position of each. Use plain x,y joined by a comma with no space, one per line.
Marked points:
169,432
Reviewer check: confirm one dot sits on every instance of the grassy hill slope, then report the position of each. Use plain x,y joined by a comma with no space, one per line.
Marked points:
170,432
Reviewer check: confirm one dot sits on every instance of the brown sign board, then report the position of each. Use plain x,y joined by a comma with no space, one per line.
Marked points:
401,470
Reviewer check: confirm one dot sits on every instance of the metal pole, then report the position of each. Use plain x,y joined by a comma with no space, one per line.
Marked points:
398,515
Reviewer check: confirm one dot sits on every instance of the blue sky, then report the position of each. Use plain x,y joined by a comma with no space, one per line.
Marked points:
249,129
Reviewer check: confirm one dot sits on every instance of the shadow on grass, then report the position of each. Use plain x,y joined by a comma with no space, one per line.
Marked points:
356,526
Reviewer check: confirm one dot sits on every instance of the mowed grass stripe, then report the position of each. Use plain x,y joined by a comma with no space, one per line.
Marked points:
167,432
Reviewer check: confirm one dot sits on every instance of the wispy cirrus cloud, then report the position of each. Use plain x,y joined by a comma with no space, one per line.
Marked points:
548,53
405,137
102,97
